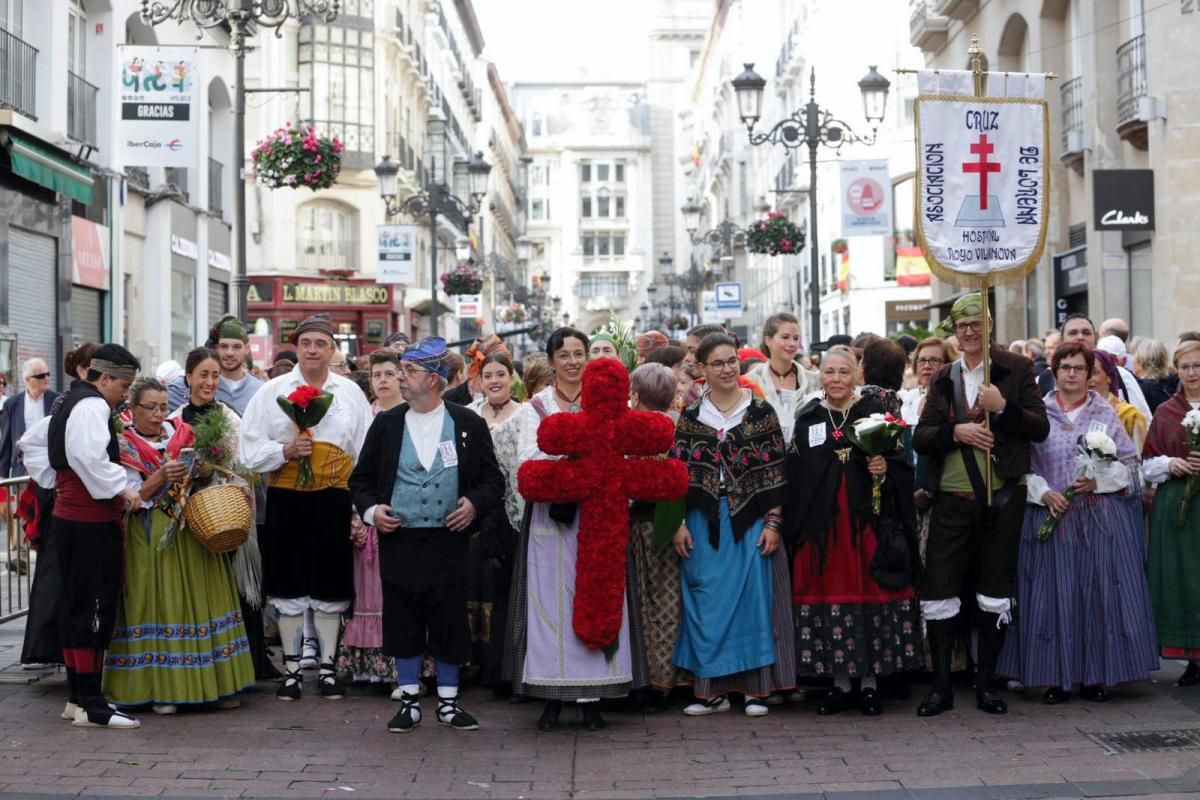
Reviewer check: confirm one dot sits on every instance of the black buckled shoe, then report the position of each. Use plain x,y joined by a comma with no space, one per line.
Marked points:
592,721
1095,694
869,703
289,688
409,715
935,703
331,687
548,721
1190,676
1055,696
990,703
835,701
450,715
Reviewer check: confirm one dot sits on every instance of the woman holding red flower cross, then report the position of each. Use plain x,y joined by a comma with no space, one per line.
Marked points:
303,431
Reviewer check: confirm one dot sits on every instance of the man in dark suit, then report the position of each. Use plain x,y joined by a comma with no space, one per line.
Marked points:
968,537
426,475
21,411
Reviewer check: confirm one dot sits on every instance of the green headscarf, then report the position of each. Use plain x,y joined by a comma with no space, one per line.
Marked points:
227,327
604,336
965,307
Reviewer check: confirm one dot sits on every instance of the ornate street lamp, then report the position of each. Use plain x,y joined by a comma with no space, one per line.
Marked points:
242,18
811,127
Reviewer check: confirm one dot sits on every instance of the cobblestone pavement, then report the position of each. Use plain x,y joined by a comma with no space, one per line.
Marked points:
341,750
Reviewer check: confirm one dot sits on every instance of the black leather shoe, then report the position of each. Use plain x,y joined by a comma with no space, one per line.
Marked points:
592,721
935,703
869,703
990,703
1190,676
1095,694
835,701
548,721
1055,696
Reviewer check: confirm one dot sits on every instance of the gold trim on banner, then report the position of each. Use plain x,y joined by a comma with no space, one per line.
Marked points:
977,280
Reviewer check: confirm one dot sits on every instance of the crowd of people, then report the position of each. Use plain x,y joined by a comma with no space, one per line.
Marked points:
1031,522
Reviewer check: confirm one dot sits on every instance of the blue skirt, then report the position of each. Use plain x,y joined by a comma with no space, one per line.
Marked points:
1083,607
726,626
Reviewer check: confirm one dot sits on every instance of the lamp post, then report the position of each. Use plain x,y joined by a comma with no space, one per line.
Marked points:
811,127
723,238
437,198
242,18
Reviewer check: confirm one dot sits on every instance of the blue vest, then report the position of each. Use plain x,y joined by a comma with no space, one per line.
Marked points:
423,498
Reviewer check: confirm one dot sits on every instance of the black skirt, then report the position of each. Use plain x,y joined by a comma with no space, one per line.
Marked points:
91,566
41,644
306,547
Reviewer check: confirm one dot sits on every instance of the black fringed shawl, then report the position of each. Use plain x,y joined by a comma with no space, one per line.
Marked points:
814,474
752,454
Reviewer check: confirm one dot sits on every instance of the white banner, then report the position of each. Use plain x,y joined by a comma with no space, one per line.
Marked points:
397,249
866,198
983,182
158,92
468,306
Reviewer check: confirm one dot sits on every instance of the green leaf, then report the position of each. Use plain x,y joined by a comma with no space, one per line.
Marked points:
668,517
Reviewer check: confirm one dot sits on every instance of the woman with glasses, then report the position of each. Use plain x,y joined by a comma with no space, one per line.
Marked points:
856,613
179,637
542,655
736,631
360,657
1084,611
1174,556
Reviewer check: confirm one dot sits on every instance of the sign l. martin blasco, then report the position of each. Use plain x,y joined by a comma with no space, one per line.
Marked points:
983,181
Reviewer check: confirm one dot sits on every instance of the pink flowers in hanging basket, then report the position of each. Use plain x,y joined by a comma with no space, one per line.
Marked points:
297,156
775,235
463,279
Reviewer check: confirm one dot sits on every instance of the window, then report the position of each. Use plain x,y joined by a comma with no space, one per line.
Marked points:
537,209
326,239
11,16
602,206
603,284
602,172
585,172
183,313
620,173
585,209
602,246
336,60
618,245
620,203
589,246
535,125
76,29
537,175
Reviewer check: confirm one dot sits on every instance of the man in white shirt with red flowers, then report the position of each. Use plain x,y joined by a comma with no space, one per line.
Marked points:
306,547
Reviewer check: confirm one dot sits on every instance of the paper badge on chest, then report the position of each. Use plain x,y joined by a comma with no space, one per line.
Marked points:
983,184
448,453
816,434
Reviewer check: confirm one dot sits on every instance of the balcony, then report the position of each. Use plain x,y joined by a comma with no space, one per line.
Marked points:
926,30
18,75
956,9
138,176
81,110
1071,93
315,255
1132,95
215,170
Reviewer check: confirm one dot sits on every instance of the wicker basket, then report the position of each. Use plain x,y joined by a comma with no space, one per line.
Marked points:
219,517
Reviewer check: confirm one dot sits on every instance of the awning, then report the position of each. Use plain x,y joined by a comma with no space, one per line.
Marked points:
40,163
422,307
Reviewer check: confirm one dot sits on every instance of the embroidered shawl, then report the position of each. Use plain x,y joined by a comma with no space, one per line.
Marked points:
752,457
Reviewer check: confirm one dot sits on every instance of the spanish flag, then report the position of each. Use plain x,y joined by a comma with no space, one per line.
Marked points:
911,267
844,272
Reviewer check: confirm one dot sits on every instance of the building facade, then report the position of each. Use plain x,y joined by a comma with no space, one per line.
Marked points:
1123,116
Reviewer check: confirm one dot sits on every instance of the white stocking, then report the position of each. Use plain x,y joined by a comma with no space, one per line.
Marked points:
289,633
327,628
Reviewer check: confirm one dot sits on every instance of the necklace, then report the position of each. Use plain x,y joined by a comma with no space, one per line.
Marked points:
150,437
782,375
837,429
732,406
573,402
496,409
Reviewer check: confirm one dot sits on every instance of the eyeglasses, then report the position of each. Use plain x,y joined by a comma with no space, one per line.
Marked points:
411,369
1189,367
721,366
150,408
1073,369
973,327
40,376
930,362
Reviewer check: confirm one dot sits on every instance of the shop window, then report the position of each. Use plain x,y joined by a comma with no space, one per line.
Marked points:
326,237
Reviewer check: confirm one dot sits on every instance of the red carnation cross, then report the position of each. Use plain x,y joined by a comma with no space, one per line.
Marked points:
614,458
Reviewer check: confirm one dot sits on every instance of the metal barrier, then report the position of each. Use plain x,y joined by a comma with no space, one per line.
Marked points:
16,573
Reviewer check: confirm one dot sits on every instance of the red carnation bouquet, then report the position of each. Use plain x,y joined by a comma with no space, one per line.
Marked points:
306,407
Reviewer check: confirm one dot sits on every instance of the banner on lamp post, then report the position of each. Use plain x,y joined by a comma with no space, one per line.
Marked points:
866,198
397,246
468,306
158,113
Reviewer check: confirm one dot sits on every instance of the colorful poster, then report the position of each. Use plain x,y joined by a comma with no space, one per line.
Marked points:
866,198
397,249
158,119
89,254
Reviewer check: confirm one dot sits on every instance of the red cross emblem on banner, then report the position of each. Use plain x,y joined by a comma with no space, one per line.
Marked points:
983,149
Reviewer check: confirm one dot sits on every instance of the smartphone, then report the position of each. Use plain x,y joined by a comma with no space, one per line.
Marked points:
187,457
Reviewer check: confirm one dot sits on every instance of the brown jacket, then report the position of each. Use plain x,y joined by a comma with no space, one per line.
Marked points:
1022,421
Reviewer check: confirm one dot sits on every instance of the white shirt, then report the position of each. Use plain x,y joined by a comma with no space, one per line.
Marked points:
34,410
87,437
1111,476
35,454
134,477
1137,398
1154,470
425,430
266,429
972,382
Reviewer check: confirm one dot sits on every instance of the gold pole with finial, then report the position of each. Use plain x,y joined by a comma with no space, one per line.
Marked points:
979,78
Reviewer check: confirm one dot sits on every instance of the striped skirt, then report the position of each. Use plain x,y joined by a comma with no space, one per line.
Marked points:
1083,607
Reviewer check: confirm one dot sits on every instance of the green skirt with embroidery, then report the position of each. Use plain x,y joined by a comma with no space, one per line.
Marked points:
179,636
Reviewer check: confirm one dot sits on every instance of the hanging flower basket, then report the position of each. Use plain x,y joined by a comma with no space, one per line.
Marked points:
296,157
463,279
677,323
841,246
513,313
775,235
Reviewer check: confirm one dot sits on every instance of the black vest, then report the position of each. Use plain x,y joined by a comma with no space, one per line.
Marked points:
57,434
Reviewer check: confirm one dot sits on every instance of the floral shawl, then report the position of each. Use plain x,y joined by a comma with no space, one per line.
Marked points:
140,455
752,455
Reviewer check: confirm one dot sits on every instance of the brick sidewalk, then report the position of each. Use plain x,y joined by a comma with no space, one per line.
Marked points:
341,749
